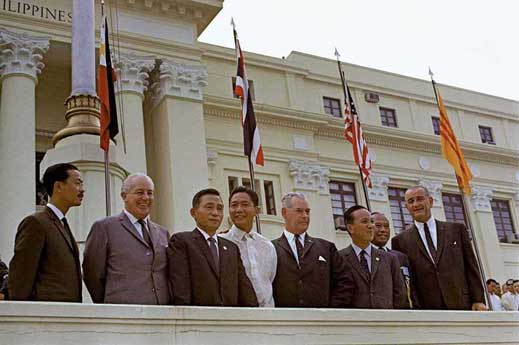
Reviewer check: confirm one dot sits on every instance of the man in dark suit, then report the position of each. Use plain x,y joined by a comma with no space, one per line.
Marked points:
3,280
125,255
378,281
445,270
45,265
204,269
381,234
310,272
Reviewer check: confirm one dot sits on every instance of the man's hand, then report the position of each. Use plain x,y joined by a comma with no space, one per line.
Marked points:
479,307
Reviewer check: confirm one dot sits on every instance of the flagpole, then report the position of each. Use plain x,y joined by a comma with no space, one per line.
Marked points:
253,187
467,217
343,81
249,156
106,156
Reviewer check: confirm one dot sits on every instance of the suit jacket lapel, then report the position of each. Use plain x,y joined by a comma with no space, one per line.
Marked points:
440,239
223,254
283,243
309,242
354,261
421,246
375,260
68,238
154,232
125,222
204,247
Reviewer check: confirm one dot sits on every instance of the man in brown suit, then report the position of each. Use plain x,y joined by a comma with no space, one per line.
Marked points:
379,283
445,270
45,265
204,269
310,272
125,255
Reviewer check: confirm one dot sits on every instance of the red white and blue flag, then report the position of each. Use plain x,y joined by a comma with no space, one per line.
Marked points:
353,133
251,137
105,90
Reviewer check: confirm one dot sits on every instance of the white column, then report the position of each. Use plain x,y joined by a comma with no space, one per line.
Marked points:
485,231
435,191
311,178
179,142
20,64
83,52
132,81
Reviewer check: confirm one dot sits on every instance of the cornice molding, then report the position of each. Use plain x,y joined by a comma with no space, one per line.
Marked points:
324,126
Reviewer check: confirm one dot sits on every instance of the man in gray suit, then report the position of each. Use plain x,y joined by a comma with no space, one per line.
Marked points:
379,283
125,255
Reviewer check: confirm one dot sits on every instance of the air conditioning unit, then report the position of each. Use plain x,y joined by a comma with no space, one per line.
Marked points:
371,97
512,238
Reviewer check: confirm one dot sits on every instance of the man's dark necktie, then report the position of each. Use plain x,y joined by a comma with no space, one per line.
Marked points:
430,244
299,248
145,233
68,232
364,262
214,250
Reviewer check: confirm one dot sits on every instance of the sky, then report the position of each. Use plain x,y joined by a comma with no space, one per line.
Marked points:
469,44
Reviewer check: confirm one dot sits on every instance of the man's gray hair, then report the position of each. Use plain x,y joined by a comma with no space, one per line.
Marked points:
129,181
419,187
286,201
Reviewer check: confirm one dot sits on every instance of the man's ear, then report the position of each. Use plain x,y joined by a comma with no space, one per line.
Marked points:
192,212
431,200
283,212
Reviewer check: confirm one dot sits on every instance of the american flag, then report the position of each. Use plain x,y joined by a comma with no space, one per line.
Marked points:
353,133
251,138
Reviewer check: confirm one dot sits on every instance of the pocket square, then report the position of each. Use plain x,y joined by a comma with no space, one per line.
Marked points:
321,258
454,243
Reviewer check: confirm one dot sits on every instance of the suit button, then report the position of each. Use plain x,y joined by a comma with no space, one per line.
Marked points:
300,282
153,290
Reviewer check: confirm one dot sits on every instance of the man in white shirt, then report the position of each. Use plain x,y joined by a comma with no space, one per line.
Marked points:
495,301
257,252
510,300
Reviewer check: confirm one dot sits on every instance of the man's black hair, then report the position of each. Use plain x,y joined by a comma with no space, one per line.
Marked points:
208,191
252,194
56,173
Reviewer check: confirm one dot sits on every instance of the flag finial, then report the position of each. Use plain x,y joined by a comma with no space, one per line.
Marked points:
430,72
337,55
233,24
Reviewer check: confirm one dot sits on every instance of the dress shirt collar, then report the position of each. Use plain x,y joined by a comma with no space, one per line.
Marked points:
56,211
291,237
206,235
431,224
240,235
358,249
133,219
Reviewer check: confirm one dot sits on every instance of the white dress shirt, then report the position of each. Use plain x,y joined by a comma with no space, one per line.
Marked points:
510,301
56,211
431,224
357,251
495,302
259,259
135,222
291,238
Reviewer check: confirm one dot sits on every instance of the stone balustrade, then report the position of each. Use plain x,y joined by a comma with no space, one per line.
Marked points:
78,324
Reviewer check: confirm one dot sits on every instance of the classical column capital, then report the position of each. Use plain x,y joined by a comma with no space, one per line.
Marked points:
133,72
21,53
481,197
378,190
435,189
310,176
179,80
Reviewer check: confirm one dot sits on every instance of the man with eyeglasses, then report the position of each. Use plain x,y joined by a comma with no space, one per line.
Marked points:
125,255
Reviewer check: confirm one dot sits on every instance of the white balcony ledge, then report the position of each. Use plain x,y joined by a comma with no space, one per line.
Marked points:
78,324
